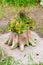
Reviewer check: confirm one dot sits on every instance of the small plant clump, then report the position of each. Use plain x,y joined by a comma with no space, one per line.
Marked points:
21,23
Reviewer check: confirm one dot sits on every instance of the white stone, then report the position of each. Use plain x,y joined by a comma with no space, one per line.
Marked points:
21,47
41,3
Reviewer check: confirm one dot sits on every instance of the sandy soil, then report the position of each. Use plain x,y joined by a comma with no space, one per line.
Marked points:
36,52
